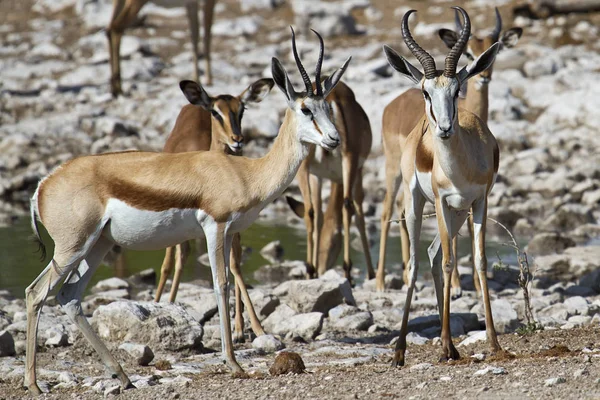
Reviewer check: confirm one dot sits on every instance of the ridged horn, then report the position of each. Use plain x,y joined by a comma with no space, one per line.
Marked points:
459,46
305,77
496,32
424,57
319,65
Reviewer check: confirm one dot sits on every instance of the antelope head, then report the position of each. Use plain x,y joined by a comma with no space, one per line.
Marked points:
477,45
227,110
440,88
312,113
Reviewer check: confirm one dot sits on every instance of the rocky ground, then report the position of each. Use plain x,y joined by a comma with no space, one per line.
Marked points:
54,105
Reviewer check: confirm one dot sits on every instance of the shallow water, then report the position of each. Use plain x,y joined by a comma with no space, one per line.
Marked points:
20,264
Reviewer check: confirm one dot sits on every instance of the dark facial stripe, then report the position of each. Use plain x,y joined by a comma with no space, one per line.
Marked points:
235,124
218,117
317,127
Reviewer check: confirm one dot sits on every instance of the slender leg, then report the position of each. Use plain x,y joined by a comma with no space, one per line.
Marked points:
476,280
192,15
479,224
309,213
446,220
219,246
69,297
359,196
456,289
182,253
165,271
238,330
209,9
236,253
414,203
404,240
316,184
393,178
349,169
331,234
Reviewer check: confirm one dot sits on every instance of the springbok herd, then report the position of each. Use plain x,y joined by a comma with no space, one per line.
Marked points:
201,186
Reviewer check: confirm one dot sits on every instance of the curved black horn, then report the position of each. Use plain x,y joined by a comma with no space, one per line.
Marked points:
424,57
319,65
496,33
459,46
457,21
305,77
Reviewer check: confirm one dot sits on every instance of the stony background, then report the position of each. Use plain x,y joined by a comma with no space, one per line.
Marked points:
54,105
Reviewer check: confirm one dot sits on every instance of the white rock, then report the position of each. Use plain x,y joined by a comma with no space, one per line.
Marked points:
110,284
421,367
112,390
415,338
319,295
479,336
554,381
140,353
267,344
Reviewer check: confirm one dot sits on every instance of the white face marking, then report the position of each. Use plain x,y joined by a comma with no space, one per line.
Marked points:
441,104
319,115
137,229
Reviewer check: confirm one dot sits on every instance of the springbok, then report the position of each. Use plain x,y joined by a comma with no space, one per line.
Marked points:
212,123
403,113
343,167
145,201
125,15
450,159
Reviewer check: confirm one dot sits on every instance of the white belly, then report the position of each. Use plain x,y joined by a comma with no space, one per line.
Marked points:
327,165
137,229
424,183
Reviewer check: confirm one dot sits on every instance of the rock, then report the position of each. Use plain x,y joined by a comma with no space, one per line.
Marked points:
200,302
415,338
267,344
110,284
505,216
287,362
492,370
421,367
56,338
591,198
333,19
557,311
306,325
474,337
140,353
282,312
578,305
577,290
459,323
281,272
264,304
391,282
591,280
7,344
505,316
236,27
554,381
248,5
145,277
92,302
573,263
319,295
548,243
569,217
163,326
112,390
272,252
345,317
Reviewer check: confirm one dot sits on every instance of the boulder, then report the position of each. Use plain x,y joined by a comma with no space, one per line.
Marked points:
163,326
548,243
345,317
200,302
569,217
7,344
110,284
578,305
282,312
285,320
391,282
333,19
267,344
264,303
320,295
573,263
272,252
505,317
591,280
281,272
141,354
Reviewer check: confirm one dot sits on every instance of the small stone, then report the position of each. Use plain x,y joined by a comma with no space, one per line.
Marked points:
479,336
140,353
445,378
7,344
415,338
499,371
163,365
580,372
113,390
287,362
272,252
57,339
267,343
421,367
554,381
478,357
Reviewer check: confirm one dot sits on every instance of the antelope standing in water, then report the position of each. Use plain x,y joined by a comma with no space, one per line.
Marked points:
212,123
403,113
450,159
125,15
149,201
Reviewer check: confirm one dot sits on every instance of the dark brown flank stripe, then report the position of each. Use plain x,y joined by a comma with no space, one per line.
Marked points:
146,198
424,161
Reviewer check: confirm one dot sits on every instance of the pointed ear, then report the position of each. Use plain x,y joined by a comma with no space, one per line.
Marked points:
296,206
401,65
196,94
331,81
511,37
481,63
280,77
449,37
256,92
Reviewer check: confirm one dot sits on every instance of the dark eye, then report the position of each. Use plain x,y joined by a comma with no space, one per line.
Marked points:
426,95
306,112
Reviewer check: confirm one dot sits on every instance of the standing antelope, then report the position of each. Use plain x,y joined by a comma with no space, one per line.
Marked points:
403,113
125,15
212,123
450,159
344,168
148,201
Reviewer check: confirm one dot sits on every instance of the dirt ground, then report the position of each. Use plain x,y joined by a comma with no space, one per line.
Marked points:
572,356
